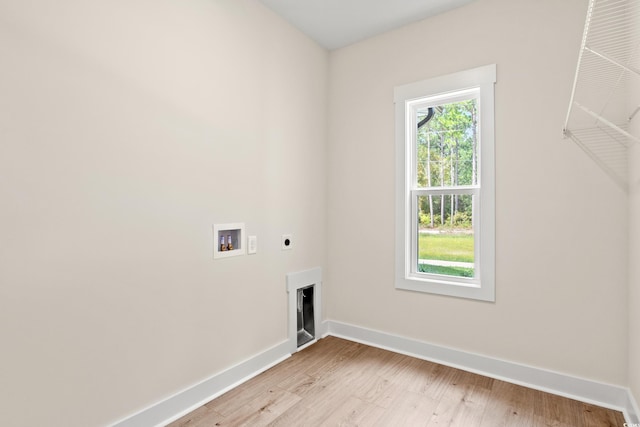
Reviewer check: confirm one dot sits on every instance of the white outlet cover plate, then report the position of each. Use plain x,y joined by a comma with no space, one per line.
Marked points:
252,244
287,238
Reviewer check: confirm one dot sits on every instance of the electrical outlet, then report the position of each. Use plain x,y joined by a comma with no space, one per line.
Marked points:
287,242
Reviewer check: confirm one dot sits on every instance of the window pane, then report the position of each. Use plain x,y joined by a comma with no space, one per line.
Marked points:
447,144
445,235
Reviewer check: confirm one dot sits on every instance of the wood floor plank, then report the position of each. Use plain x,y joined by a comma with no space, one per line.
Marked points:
263,409
336,382
377,390
353,412
462,404
201,417
412,374
509,406
239,397
331,364
596,416
441,377
558,408
297,382
408,409
298,415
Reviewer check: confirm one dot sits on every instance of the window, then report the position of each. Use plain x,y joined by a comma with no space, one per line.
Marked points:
445,202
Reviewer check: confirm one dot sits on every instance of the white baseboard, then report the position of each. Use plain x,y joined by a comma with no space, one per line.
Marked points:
632,413
174,407
605,395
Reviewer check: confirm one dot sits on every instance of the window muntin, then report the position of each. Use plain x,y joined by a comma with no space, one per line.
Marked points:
445,175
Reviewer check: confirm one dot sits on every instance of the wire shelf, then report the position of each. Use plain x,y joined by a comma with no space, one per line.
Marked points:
599,110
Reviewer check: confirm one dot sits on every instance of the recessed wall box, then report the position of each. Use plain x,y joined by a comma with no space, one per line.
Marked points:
228,240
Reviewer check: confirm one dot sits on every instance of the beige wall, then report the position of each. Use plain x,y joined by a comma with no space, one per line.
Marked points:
127,129
561,223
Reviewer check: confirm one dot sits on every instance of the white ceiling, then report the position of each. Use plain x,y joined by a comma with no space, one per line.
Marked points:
338,23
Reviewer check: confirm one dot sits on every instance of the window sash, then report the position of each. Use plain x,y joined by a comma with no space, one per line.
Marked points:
414,235
412,126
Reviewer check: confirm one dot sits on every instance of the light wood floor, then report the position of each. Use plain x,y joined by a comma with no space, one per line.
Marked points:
335,382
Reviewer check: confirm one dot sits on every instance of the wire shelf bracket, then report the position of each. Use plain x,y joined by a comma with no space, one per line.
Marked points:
599,114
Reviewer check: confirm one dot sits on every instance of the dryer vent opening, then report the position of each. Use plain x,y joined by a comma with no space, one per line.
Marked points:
305,315
304,289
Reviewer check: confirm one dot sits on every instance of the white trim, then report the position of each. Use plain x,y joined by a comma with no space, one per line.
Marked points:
594,392
304,278
189,399
455,82
180,404
482,287
631,412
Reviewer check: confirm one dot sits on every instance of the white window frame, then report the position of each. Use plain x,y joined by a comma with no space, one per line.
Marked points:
480,82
